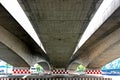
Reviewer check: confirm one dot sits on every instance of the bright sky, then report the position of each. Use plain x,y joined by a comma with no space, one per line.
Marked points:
2,62
16,11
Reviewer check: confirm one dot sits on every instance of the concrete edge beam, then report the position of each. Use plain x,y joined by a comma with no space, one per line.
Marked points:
19,47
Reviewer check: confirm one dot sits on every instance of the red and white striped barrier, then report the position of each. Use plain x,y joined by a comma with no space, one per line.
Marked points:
93,72
21,71
59,72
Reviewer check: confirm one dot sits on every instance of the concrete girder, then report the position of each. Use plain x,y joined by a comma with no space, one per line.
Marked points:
100,47
59,24
94,53
16,45
11,57
110,54
16,52
110,50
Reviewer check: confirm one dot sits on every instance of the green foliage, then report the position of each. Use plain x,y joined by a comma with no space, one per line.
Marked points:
39,68
81,68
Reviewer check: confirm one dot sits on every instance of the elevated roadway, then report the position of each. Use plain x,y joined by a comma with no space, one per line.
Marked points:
60,24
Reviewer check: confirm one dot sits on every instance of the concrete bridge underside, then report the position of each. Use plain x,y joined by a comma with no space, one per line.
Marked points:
102,47
59,24
16,46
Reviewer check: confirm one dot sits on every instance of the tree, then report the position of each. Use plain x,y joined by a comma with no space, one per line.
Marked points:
39,68
81,68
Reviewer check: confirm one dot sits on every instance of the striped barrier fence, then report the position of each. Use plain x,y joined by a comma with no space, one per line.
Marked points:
59,72
27,71
21,71
93,72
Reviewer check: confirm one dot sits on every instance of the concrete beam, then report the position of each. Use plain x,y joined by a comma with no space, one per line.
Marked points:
109,49
11,57
22,55
59,24
17,47
104,12
100,43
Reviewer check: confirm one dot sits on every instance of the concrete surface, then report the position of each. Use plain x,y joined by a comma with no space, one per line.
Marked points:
20,47
59,24
103,46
